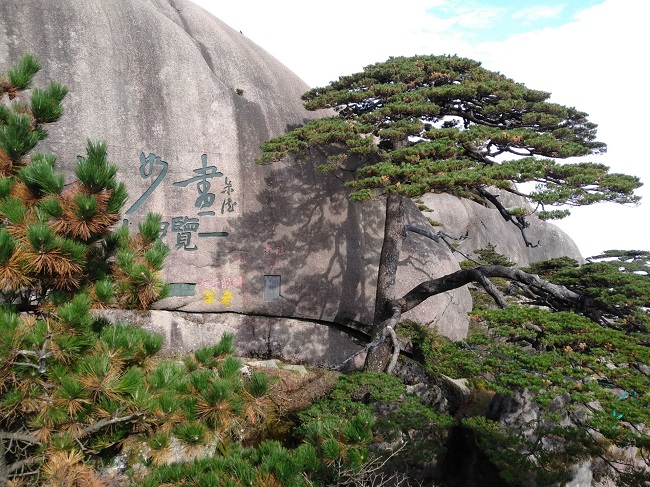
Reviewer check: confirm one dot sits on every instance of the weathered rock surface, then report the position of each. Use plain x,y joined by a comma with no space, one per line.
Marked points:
184,102
519,413
484,225
264,337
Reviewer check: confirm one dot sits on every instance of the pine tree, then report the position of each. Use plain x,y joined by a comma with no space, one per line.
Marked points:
59,238
445,124
65,387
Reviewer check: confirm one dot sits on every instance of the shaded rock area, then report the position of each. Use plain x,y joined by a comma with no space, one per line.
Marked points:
466,465
296,341
184,102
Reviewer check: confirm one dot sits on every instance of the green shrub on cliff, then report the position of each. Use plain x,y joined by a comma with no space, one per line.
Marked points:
581,379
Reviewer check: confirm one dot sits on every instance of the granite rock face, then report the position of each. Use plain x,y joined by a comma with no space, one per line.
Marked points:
184,102
484,225
296,341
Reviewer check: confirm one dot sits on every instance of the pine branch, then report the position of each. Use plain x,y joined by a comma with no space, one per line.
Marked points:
16,436
396,349
88,430
561,294
440,235
519,221
19,465
492,290
436,237
8,471
41,356
93,428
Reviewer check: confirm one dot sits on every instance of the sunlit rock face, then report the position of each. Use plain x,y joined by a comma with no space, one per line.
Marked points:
184,102
483,225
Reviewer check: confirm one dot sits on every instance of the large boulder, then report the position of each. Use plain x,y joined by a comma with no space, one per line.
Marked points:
184,102
483,225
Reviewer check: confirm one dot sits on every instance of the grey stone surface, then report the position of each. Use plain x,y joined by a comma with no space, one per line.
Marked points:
266,338
297,369
484,225
178,94
184,102
269,364
582,476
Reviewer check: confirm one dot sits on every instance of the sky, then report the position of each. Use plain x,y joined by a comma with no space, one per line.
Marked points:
590,54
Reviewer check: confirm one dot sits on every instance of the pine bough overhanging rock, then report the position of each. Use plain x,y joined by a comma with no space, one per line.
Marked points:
444,124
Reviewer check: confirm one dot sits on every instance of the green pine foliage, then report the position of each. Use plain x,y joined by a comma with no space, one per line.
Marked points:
355,426
618,280
438,123
588,380
337,438
270,464
58,238
70,386
487,255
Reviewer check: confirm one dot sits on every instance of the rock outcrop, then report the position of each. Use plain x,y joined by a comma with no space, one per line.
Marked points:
484,225
184,102
521,414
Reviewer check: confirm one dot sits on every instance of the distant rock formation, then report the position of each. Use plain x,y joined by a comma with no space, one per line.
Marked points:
184,102
484,225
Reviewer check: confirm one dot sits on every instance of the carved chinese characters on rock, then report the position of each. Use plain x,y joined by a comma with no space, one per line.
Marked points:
204,174
208,182
214,196
147,166
228,204
204,204
220,290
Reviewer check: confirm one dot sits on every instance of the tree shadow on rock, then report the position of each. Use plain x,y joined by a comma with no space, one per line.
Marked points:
306,252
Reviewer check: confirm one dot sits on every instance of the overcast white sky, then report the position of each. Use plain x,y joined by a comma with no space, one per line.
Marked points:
591,54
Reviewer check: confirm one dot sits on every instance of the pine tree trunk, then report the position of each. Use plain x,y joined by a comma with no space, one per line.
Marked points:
379,355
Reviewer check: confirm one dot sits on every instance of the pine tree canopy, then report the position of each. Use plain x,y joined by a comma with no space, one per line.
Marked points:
58,238
445,124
